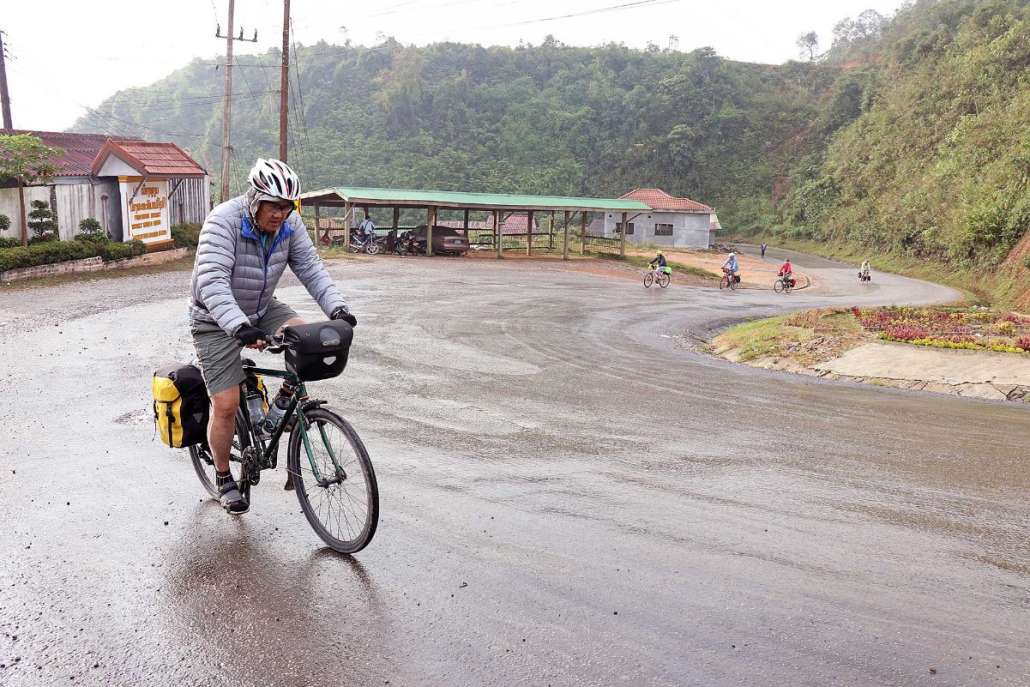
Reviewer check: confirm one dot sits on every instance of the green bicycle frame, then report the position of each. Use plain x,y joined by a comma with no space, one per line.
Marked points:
295,408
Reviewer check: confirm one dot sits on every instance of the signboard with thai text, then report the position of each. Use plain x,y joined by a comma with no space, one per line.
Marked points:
145,208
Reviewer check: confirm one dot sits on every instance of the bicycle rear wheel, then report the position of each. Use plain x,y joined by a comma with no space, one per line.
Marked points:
204,464
664,279
335,484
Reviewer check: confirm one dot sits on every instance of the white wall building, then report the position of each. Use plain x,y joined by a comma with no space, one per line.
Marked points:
674,222
114,181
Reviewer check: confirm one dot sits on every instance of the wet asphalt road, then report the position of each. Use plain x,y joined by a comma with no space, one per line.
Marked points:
570,496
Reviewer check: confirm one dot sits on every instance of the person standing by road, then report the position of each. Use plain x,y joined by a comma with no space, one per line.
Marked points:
763,247
244,248
367,228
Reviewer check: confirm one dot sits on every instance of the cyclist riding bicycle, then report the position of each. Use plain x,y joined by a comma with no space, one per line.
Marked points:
863,271
787,271
731,266
244,248
660,262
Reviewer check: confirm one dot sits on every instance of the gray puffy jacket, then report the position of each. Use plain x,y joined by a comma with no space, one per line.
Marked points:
233,279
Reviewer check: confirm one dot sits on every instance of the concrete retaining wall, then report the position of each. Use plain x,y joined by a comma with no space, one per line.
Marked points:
93,265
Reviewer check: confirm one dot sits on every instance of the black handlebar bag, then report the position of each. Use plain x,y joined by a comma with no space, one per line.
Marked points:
318,351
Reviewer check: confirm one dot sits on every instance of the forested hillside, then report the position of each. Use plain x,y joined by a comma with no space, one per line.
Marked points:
544,119
909,136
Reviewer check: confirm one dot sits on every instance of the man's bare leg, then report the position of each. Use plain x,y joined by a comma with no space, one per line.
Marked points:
222,426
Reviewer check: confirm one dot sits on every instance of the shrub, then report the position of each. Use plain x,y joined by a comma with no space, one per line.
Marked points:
45,253
6,242
91,227
5,222
120,251
1023,343
186,235
97,239
42,220
1026,262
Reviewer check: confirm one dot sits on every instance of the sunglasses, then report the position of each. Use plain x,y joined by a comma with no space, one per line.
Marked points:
282,207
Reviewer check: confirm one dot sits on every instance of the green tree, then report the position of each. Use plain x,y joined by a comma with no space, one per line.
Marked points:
25,159
808,45
42,221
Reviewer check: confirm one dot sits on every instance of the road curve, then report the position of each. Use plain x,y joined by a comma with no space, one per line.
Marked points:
571,495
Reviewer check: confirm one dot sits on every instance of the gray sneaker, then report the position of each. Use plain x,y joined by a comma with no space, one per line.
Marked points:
231,498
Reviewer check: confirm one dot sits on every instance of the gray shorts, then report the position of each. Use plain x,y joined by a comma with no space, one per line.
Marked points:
218,354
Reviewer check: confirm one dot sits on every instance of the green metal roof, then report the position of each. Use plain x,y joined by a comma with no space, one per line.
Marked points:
462,200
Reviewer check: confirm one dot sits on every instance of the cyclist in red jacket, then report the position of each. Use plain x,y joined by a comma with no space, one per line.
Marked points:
787,270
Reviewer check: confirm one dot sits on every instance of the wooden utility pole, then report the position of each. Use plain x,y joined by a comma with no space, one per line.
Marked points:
284,81
227,106
4,96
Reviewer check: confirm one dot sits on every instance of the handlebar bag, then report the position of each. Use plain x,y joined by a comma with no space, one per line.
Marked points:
318,350
181,405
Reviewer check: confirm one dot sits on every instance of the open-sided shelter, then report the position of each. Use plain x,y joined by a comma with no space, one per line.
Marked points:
500,205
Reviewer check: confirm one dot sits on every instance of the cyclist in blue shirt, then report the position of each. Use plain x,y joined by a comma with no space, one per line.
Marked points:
731,266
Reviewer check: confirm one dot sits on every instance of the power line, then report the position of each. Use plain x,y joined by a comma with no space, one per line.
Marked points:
598,10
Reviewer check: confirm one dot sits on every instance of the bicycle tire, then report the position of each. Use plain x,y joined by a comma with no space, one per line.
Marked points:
648,280
734,284
724,283
204,465
663,280
778,286
358,537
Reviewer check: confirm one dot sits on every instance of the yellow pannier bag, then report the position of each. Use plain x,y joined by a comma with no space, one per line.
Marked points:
181,405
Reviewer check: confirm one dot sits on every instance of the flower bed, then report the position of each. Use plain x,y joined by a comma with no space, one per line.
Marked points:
965,328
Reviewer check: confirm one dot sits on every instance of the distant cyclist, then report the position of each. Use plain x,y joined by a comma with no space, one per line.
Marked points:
731,267
863,271
787,271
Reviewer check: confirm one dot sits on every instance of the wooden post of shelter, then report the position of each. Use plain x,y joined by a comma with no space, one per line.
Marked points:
497,234
529,233
346,223
550,233
430,221
583,232
318,221
565,242
396,218
622,236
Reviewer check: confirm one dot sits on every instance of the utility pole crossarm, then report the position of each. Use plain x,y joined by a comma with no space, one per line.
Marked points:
227,107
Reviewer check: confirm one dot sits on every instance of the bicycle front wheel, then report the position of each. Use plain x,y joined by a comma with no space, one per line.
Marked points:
372,248
664,279
334,480
648,280
778,286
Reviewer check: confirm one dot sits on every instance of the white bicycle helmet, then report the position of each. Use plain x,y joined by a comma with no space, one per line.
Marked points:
275,178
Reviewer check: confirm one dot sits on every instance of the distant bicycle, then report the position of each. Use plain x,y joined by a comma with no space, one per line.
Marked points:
662,275
370,246
729,280
785,284
865,277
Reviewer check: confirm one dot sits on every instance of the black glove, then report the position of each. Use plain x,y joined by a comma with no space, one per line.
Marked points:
342,313
248,335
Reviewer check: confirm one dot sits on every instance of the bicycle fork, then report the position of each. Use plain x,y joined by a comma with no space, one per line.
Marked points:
339,473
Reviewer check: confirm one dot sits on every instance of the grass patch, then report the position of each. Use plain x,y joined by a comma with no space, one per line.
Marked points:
642,262
806,337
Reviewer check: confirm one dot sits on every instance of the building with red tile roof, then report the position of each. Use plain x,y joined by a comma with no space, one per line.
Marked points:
102,177
673,221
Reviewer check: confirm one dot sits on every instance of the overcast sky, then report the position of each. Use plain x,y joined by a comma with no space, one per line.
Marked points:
68,55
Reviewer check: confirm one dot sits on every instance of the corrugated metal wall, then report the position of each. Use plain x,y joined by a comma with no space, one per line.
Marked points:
189,203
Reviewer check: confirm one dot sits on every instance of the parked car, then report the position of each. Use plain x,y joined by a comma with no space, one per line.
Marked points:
446,241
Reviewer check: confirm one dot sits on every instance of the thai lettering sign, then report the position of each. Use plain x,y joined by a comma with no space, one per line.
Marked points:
146,209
